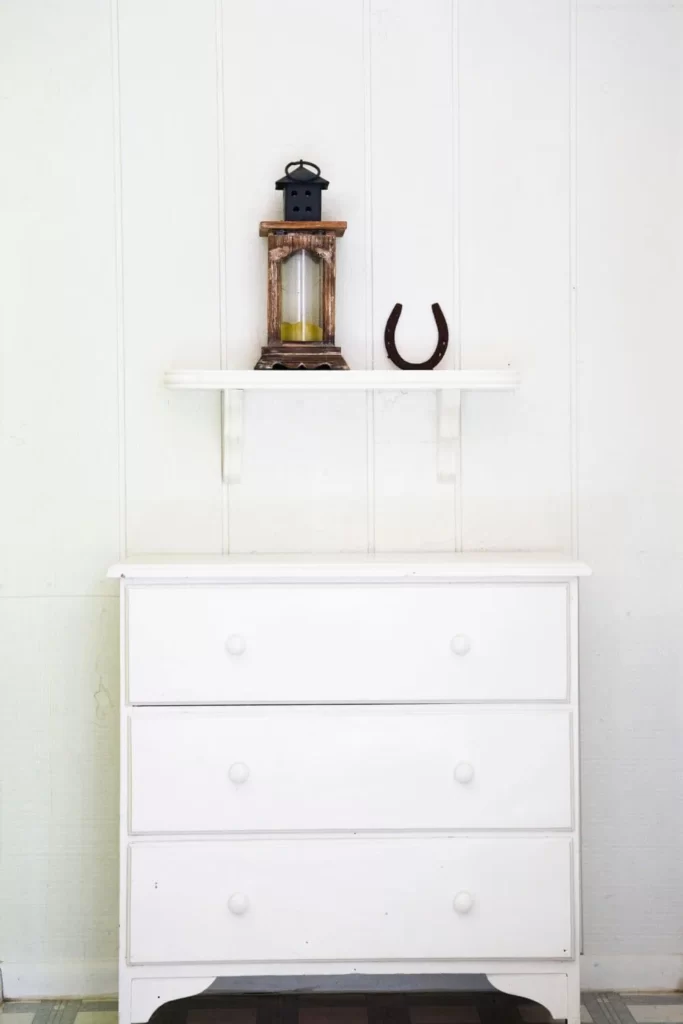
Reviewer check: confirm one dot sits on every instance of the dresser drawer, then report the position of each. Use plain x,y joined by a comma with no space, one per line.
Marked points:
307,643
289,769
350,899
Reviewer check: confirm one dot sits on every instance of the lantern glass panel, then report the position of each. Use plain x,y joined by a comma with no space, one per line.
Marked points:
301,298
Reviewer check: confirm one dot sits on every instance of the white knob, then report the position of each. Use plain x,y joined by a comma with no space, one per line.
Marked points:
464,772
238,903
462,903
460,644
239,772
235,644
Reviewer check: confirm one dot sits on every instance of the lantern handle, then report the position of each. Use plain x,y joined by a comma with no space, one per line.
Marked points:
441,345
301,163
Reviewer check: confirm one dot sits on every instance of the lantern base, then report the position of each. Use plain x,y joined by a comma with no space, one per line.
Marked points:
301,357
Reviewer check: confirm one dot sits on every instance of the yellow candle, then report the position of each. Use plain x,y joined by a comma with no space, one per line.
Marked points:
300,331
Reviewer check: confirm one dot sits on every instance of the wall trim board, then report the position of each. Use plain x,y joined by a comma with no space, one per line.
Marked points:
118,243
456,343
632,972
368,310
222,242
90,978
71,979
573,303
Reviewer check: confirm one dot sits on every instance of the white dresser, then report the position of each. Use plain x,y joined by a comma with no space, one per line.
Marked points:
343,766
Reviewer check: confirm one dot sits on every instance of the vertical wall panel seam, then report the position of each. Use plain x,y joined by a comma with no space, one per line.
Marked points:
369,276
573,278
573,377
118,273
456,331
222,282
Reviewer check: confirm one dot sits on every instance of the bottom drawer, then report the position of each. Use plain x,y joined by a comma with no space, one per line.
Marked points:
350,899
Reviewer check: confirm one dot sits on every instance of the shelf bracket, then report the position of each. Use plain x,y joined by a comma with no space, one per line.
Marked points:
232,424
448,434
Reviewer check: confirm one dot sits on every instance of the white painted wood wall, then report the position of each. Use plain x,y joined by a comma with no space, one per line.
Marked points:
532,153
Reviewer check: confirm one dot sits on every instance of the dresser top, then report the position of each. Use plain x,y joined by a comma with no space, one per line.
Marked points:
398,566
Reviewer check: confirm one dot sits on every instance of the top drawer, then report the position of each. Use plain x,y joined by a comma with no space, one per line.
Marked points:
309,643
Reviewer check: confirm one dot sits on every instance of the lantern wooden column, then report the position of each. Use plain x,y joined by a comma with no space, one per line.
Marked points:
284,239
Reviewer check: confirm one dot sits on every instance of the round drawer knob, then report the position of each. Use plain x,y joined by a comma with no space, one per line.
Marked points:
238,903
460,644
462,903
239,772
464,772
235,644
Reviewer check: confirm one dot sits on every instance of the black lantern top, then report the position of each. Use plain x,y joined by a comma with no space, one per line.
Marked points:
302,186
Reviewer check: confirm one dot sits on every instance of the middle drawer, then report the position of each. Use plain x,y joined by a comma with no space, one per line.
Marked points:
271,769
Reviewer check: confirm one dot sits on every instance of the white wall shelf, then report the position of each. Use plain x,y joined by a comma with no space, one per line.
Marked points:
447,383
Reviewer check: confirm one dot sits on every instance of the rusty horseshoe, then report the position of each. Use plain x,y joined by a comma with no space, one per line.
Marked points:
441,345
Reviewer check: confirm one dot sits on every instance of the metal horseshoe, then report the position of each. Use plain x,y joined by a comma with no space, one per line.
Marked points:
441,345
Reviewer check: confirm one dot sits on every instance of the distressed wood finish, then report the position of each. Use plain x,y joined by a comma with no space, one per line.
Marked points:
276,253
336,227
329,268
284,239
306,356
280,248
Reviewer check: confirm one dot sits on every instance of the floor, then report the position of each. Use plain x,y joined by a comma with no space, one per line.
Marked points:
597,1008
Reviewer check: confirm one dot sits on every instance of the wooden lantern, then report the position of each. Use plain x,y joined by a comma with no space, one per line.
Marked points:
301,278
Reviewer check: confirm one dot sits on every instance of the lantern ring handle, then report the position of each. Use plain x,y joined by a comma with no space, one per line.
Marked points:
302,163
441,345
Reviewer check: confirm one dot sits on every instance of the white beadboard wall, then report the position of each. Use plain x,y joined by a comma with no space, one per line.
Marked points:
518,161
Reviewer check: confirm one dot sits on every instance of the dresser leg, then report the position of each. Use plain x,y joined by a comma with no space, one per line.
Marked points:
550,990
574,997
146,995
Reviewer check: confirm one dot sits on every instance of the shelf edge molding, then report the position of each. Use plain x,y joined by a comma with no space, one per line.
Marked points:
347,380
